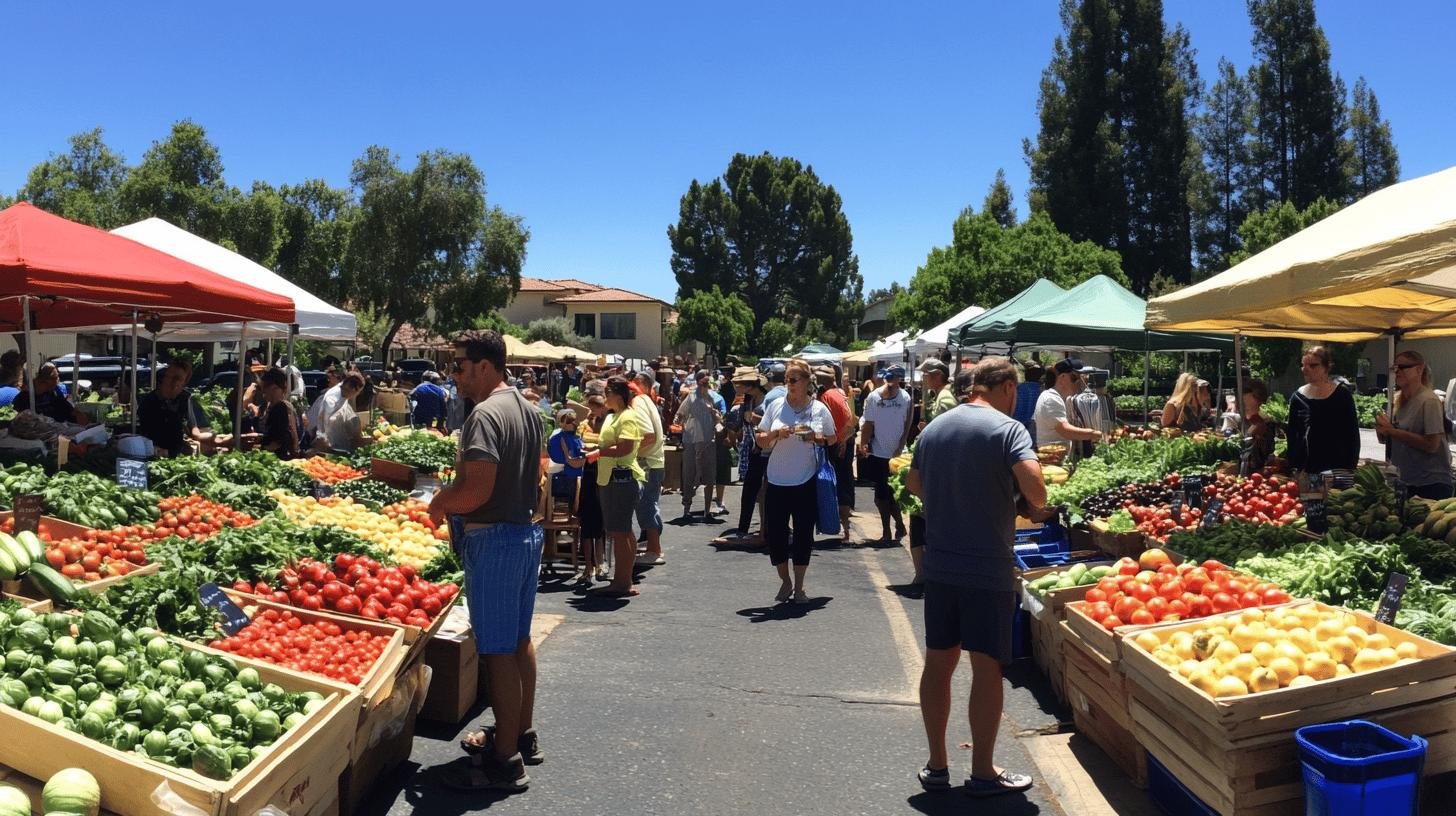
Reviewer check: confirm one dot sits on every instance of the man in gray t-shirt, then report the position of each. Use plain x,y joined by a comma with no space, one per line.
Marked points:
491,504
973,468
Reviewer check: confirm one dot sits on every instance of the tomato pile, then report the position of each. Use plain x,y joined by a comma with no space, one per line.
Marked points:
326,471
357,585
192,517
99,555
1156,591
324,647
1255,499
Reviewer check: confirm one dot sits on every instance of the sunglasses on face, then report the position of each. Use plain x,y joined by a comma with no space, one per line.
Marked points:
1404,366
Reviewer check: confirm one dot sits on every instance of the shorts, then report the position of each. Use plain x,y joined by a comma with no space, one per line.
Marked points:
723,468
976,620
917,531
699,463
502,570
619,504
649,502
877,471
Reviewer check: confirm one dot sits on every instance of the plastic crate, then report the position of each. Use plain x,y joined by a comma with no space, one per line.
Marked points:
1169,794
1356,767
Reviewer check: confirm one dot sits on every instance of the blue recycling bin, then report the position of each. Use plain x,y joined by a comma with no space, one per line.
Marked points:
1358,768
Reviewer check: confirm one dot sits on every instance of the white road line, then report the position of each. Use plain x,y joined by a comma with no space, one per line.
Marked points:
911,657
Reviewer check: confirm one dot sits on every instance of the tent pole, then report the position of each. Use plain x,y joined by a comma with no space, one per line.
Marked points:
1220,397
76,368
1390,386
1147,376
1239,380
29,351
293,333
238,414
152,355
133,370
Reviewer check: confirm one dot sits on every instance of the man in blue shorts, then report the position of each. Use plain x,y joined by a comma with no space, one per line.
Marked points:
490,505
969,468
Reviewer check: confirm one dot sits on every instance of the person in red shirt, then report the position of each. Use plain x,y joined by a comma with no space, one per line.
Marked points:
841,450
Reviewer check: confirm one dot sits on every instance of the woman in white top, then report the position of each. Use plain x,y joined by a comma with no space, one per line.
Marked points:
340,429
791,430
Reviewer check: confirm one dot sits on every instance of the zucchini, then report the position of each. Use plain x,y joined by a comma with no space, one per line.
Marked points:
9,570
52,584
17,552
32,543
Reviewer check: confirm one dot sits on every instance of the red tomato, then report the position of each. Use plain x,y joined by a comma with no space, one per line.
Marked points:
1095,595
1224,602
1127,566
1212,566
1171,589
1107,585
1179,607
349,604
1098,610
1275,595
1142,617
1111,621
1143,592
55,557
1125,607
1157,607
1248,599
312,602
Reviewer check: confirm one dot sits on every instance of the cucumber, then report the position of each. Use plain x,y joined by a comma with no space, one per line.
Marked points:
32,544
52,584
17,552
1100,572
1077,570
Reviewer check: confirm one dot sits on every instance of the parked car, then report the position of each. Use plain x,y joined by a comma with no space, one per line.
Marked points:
100,371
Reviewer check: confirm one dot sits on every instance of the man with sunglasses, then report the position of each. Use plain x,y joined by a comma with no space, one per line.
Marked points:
1052,424
490,505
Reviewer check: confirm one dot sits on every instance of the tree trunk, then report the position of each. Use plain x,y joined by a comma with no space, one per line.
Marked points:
394,327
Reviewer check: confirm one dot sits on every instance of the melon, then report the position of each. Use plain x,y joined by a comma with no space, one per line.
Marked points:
72,790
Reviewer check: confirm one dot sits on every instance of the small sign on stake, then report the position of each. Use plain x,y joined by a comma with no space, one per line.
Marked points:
28,508
322,491
233,617
1193,491
1314,516
1390,599
132,473
1213,515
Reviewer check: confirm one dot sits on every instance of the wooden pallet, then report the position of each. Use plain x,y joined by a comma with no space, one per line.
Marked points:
298,774
379,680
1046,652
1238,754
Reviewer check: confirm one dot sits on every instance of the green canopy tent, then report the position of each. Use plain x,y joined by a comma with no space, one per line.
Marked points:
1097,314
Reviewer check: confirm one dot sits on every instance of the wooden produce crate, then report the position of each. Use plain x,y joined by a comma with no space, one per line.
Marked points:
1095,637
1117,545
1097,694
384,739
394,474
1238,754
39,607
298,774
380,679
1046,611
414,636
1050,603
51,528
1046,652
26,591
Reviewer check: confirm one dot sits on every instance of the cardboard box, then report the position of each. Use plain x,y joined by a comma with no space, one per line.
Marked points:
455,670
385,738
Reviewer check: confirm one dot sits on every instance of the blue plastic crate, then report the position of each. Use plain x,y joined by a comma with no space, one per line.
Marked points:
1169,794
1356,768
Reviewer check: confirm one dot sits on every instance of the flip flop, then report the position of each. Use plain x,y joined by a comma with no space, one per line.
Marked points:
608,592
471,776
1005,782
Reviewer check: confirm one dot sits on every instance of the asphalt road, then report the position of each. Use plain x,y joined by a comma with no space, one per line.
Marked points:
702,696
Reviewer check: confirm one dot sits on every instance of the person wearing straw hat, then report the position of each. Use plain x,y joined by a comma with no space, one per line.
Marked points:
743,418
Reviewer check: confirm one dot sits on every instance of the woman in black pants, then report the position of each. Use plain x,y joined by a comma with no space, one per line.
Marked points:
792,430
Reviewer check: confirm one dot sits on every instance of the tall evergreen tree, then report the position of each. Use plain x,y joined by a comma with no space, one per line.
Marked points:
1373,160
1299,107
998,201
1220,190
1112,160
81,184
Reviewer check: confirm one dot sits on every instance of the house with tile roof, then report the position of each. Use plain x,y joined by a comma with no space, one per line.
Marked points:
623,322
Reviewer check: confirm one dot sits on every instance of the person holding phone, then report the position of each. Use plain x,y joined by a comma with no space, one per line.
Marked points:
791,430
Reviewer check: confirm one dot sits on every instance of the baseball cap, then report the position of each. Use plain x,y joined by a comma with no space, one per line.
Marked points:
934,364
824,373
776,372
1068,365
895,372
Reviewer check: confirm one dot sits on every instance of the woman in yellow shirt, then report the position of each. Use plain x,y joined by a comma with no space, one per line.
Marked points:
619,484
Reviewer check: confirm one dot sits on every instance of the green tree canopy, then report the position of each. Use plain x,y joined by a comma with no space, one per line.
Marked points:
1112,161
986,263
81,184
769,231
422,240
180,180
998,201
1373,160
314,222
1220,202
255,224
556,331
722,322
775,336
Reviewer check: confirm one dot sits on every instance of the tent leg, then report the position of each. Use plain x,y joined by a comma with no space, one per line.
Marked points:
1239,380
1221,399
238,415
152,355
133,370
29,352
1147,377
76,368
1390,385
292,334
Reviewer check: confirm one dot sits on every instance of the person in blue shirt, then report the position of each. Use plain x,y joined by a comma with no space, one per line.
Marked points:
429,399
565,448
1027,394
9,376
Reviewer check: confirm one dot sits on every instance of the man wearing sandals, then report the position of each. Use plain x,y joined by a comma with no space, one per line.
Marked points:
968,469
490,505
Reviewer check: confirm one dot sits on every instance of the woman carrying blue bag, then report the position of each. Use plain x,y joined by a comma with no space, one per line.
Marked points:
793,430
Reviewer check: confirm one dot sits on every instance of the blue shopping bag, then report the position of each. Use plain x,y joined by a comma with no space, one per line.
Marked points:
828,495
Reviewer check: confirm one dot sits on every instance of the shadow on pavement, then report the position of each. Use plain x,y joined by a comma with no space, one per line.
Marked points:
426,793
955,801
914,592
1025,674
597,603
783,611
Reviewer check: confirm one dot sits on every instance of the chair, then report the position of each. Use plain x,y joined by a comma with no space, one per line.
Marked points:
559,519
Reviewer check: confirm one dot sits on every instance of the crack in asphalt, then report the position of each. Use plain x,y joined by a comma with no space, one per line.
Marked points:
882,701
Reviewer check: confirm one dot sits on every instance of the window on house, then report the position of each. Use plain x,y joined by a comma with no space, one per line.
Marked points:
620,326
585,325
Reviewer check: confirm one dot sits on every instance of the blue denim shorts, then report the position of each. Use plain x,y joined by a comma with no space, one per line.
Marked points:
502,569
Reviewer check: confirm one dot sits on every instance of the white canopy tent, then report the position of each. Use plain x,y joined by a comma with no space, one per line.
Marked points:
317,320
935,340
888,349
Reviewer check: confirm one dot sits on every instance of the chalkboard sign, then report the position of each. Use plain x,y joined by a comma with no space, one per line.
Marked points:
322,491
1314,516
233,618
1213,515
27,512
131,473
1390,598
1193,491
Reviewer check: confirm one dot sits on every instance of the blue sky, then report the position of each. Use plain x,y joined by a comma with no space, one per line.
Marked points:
590,119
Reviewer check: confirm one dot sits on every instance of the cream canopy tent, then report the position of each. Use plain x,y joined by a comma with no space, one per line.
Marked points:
934,340
1385,265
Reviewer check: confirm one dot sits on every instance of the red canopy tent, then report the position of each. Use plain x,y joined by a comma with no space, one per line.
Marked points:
73,275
